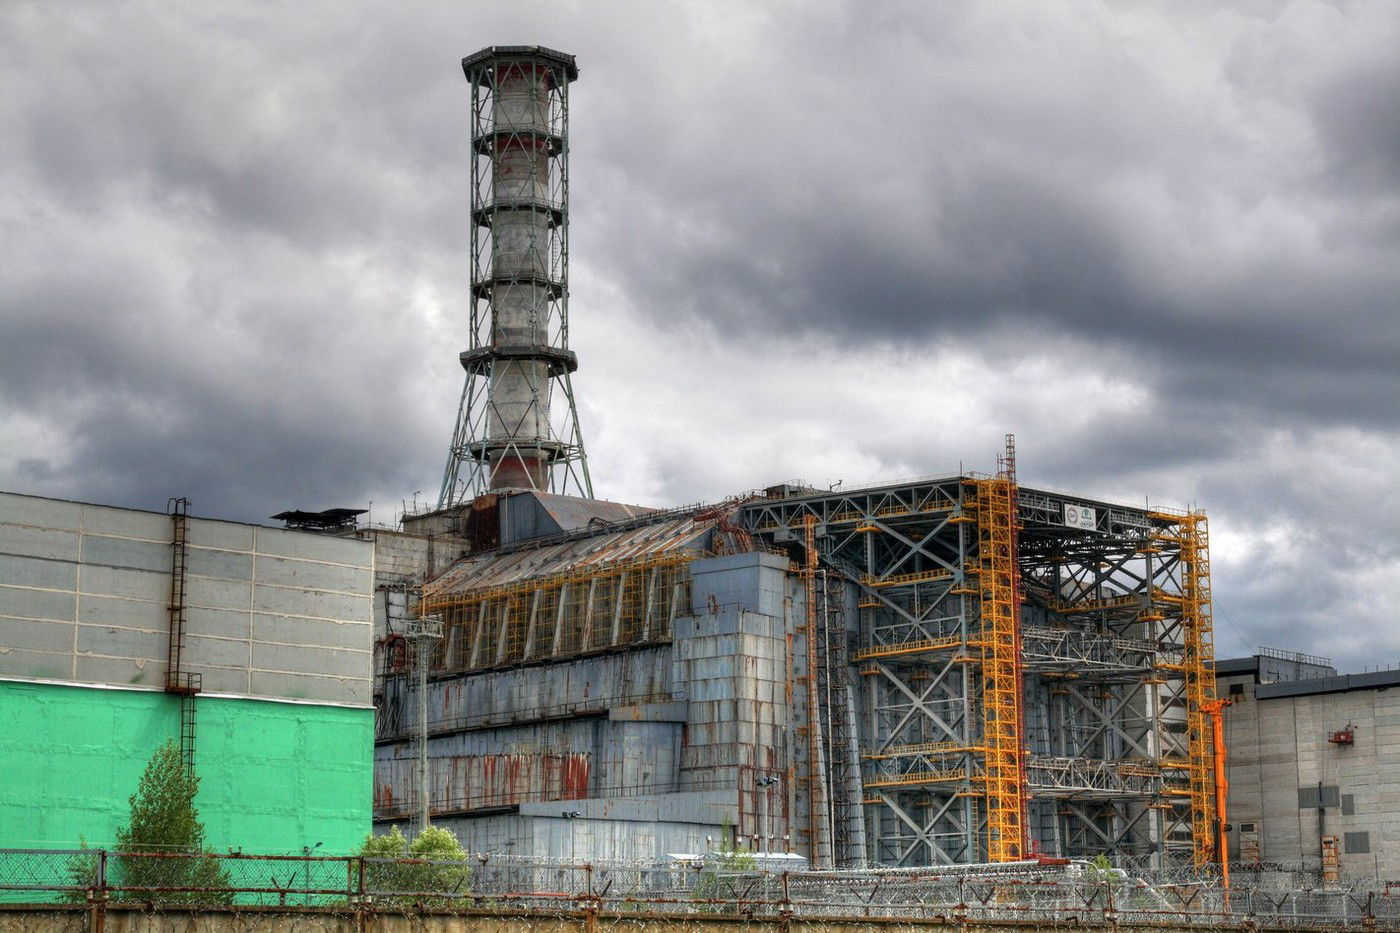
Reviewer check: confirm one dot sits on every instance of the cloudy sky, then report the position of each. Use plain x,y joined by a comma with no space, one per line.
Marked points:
1158,241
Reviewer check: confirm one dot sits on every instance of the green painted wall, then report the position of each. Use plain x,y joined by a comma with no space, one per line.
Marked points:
273,776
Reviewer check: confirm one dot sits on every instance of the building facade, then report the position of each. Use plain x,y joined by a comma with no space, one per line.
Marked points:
1313,766
953,670
251,646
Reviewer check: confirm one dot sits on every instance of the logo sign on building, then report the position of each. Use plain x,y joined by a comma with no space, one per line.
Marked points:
1080,516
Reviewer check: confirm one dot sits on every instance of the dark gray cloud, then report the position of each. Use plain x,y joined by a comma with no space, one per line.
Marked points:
830,241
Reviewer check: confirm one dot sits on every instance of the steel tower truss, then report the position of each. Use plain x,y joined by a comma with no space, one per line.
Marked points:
517,424
1111,646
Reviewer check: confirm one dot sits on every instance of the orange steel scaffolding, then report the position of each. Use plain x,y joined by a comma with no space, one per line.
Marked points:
1198,669
1001,662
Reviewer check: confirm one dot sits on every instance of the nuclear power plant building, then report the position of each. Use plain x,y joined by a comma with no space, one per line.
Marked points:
847,676
951,670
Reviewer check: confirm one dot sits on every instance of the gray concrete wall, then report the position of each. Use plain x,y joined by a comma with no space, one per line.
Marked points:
1279,746
84,591
640,827
658,728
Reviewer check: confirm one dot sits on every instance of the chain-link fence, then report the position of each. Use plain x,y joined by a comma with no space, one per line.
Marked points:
722,885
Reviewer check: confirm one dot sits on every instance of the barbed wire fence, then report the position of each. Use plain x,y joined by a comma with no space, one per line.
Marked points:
1050,895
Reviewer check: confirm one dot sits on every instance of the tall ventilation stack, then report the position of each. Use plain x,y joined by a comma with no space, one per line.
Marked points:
518,357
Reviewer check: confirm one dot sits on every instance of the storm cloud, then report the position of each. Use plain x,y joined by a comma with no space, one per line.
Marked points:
833,241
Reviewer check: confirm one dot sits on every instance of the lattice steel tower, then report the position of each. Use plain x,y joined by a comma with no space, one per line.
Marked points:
518,357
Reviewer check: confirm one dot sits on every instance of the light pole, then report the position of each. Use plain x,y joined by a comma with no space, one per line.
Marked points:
421,633
766,782
572,815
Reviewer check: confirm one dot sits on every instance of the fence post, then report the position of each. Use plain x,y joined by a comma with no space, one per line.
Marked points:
98,895
356,869
590,910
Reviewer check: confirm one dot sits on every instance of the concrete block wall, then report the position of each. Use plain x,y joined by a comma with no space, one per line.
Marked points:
1278,746
274,775
402,555
731,665
732,670
270,612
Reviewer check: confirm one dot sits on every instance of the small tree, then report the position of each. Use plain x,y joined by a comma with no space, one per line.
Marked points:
82,873
164,820
444,869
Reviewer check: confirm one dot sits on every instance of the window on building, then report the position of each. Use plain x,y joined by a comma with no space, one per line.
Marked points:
1357,843
1309,799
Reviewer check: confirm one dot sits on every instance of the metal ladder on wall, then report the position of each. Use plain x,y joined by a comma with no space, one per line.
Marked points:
178,682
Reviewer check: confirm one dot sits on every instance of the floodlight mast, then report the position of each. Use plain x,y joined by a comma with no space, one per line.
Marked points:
507,435
422,634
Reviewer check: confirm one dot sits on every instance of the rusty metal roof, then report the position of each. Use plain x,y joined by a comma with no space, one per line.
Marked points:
668,534
571,512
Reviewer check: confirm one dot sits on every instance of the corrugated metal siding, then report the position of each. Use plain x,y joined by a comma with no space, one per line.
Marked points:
555,761
526,694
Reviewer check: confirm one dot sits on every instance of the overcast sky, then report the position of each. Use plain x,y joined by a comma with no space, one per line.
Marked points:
1159,242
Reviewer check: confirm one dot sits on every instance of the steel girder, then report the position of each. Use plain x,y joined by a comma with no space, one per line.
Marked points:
1107,655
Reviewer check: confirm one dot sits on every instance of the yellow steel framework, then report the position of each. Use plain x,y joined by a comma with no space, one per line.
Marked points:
588,608
1117,759
1198,669
1005,783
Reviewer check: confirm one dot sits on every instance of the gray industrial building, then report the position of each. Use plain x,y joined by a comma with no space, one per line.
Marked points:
250,646
613,681
1314,765
948,670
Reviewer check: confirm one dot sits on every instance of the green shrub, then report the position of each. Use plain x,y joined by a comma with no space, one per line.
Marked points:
719,879
397,872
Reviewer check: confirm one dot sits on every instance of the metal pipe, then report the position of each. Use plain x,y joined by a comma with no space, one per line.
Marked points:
818,850
422,660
